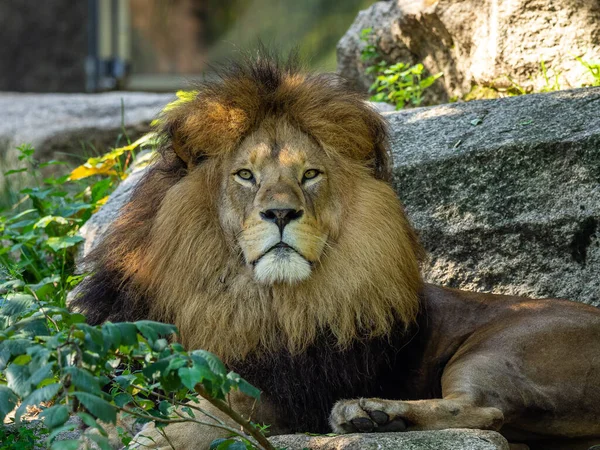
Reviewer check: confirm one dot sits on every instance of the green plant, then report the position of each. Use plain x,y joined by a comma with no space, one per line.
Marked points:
549,86
399,84
594,71
49,356
23,438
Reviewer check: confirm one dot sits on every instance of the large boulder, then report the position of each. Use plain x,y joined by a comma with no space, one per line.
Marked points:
505,194
495,44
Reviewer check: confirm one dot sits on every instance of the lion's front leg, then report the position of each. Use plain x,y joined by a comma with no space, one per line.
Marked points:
367,415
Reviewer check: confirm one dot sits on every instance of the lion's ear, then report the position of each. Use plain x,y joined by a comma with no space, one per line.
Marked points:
178,144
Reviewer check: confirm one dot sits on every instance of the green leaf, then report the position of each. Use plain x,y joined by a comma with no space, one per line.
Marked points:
159,367
43,373
17,379
90,421
15,304
191,376
100,440
100,189
10,172
165,407
83,380
112,335
153,330
213,361
122,399
243,385
55,416
21,360
8,401
38,396
61,242
128,333
97,407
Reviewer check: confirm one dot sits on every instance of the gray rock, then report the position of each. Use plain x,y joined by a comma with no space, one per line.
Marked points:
414,440
62,122
505,194
379,17
494,44
61,125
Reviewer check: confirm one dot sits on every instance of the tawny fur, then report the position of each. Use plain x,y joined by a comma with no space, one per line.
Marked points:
171,252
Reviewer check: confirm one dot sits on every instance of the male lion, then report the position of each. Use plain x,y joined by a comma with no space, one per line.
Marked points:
270,218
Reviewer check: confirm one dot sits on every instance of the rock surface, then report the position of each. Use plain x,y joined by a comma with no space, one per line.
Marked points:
505,194
59,125
474,42
62,122
414,440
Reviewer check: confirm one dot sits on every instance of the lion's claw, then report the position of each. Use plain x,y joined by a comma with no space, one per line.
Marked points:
364,416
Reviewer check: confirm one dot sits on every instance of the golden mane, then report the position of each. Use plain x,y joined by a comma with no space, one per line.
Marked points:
167,258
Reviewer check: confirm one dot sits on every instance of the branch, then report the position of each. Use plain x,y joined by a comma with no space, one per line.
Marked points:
246,425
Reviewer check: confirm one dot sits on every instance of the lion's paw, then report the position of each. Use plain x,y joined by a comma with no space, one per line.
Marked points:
367,415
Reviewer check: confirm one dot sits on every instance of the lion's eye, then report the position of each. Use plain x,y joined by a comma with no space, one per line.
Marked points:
310,174
245,174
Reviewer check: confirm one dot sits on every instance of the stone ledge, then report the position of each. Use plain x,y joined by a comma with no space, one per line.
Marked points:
459,439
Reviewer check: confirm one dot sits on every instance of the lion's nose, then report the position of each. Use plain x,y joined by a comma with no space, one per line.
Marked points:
281,217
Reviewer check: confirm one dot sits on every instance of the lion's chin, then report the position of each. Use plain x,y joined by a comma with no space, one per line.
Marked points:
281,266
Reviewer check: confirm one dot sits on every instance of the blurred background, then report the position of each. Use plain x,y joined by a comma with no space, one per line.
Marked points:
157,45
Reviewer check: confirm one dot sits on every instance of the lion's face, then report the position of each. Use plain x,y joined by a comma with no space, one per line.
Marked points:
278,204
268,217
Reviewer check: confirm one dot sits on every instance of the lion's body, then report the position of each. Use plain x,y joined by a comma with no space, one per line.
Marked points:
269,218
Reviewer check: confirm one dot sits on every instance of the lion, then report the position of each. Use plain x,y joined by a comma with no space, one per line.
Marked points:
268,231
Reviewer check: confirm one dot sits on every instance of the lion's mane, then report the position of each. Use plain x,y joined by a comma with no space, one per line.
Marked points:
166,257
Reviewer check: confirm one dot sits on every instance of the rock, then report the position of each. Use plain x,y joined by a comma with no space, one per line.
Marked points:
505,194
59,125
413,440
63,122
493,44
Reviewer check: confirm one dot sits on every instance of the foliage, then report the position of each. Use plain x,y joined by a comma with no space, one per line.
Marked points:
399,84
50,358
22,438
